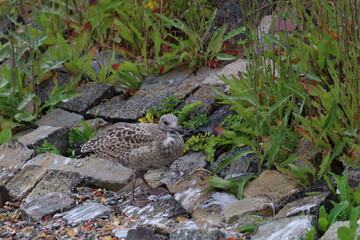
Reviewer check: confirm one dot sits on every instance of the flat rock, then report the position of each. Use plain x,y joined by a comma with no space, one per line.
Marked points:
86,211
285,228
354,177
14,154
6,174
272,183
190,189
46,86
170,79
46,204
23,182
144,100
160,211
196,77
59,118
189,162
331,233
213,208
216,119
106,109
254,205
91,94
205,95
101,172
308,205
228,71
162,176
140,233
198,234
57,136
56,181
239,166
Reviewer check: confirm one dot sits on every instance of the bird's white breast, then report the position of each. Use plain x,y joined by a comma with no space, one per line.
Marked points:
168,140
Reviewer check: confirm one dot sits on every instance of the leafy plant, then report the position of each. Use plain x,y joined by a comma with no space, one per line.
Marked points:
47,147
233,186
78,136
344,209
5,135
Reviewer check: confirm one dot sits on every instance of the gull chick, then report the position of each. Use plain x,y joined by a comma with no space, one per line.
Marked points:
141,147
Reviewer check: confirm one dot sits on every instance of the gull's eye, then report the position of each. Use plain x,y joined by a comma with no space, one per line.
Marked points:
166,122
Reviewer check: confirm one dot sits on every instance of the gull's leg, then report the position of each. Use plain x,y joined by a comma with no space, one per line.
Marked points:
155,191
141,202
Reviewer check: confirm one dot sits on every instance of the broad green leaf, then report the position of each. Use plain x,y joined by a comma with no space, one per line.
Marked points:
225,57
26,100
234,32
250,228
329,121
24,117
220,183
5,135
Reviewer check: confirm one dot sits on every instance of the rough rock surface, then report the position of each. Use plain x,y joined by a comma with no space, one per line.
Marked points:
57,136
48,203
285,228
59,118
273,184
100,172
91,94
14,154
254,205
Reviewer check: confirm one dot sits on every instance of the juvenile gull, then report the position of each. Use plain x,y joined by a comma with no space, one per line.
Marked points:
140,147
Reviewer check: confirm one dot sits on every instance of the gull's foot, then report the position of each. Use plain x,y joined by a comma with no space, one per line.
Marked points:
158,191
141,202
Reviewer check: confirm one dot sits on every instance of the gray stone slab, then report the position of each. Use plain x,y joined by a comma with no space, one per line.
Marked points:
199,234
189,162
160,211
48,203
216,119
106,109
23,182
285,228
205,95
144,100
6,174
91,94
56,181
87,211
14,154
171,79
331,233
59,118
57,136
101,172
254,205
228,71
308,205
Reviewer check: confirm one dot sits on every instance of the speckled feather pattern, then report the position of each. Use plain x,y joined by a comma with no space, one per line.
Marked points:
140,146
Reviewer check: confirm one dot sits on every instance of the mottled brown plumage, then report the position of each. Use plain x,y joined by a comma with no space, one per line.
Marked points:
140,147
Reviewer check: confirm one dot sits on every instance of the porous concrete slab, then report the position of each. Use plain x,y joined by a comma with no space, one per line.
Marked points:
144,100
91,94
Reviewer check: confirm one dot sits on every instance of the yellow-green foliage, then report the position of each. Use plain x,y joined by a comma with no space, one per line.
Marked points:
206,142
